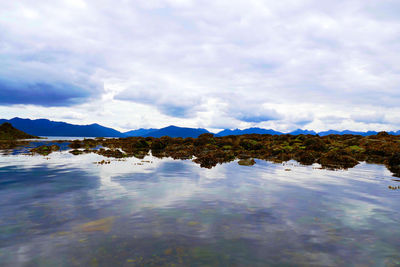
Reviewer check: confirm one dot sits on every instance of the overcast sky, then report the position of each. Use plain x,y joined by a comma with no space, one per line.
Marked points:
217,64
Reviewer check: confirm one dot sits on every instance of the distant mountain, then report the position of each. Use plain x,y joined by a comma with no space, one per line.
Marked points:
8,132
300,131
139,132
44,127
328,132
227,132
296,132
174,131
348,132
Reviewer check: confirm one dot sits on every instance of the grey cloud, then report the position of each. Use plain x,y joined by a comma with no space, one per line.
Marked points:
43,94
254,114
256,119
171,103
374,117
179,55
332,119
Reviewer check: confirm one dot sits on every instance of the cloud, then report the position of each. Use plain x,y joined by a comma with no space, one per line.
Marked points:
174,103
253,113
368,117
43,94
331,119
256,119
206,63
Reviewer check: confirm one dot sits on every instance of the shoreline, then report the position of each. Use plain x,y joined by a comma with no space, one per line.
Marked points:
331,152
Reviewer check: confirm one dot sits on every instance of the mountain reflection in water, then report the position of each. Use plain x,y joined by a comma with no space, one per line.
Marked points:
66,210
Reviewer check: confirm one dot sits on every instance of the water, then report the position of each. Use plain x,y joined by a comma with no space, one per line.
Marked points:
64,138
65,210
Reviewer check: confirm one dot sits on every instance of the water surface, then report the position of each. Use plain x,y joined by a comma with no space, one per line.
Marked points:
65,210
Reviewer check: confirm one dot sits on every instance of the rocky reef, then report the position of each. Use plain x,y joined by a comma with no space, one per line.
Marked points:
45,149
331,151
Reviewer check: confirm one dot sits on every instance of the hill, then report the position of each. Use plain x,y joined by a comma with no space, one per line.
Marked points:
348,132
305,132
44,127
297,132
255,130
139,132
174,131
8,132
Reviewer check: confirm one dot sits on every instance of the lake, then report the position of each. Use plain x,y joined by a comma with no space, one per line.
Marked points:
65,210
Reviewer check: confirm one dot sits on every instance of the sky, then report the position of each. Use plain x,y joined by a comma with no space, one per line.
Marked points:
217,64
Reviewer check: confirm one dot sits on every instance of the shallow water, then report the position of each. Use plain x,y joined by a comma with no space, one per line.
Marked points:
64,138
65,210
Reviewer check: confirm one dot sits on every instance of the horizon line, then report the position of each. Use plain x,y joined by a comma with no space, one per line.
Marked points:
223,129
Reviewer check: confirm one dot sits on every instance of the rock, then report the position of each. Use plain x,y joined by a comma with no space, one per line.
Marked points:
246,162
45,149
111,153
337,160
315,144
393,164
306,157
75,144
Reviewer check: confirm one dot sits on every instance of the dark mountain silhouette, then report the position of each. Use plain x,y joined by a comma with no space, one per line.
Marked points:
8,132
174,131
300,131
349,132
44,127
227,132
139,132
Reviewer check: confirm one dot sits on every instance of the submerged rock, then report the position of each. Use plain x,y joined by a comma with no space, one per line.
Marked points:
103,225
11,144
45,149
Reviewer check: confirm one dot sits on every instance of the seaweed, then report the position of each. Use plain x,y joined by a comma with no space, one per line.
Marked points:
332,151
45,149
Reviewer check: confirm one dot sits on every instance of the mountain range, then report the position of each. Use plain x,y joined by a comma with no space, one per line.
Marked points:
248,131
139,132
174,131
44,127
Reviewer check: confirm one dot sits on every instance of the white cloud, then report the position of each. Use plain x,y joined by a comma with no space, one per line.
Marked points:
276,64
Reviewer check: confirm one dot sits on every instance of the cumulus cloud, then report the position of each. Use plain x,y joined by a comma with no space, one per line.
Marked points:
278,64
